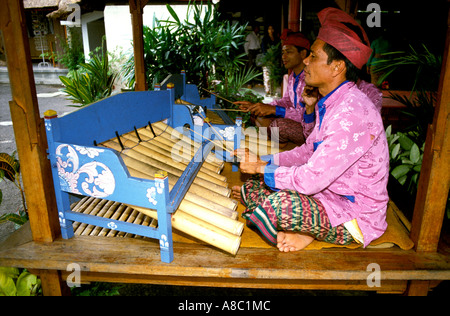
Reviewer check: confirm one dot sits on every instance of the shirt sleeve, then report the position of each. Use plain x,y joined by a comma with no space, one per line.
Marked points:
295,157
280,111
372,92
284,102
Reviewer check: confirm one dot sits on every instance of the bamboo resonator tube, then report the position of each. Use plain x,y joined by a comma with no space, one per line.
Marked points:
207,212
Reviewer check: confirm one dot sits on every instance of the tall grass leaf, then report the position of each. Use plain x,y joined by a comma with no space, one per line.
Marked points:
173,13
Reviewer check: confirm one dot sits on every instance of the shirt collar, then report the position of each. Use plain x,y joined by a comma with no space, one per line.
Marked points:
296,83
297,76
321,103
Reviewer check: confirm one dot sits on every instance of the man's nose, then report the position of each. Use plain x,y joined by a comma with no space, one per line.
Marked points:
306,61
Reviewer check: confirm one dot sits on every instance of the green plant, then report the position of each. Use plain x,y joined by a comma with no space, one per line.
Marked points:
13,282
406,149
201,44
233,90
236,81
406,158
93,81
73,54
97,289
420,111
427,67
272,60
10,170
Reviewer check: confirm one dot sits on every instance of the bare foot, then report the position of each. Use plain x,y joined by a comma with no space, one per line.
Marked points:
236,192
290,241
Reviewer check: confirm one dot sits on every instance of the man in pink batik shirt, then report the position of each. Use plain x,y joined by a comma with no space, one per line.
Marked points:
334,187
290,119
289,114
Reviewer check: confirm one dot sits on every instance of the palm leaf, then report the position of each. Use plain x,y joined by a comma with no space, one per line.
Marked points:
16,219
9,165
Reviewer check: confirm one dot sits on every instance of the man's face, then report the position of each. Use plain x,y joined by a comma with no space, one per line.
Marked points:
292,58
317,71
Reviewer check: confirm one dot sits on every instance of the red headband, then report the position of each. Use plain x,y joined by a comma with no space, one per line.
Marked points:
295,38
341,37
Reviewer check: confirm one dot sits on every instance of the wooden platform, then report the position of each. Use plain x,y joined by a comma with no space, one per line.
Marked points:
138,261
131,260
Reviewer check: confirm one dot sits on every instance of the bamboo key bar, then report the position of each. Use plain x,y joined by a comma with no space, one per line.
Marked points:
206,212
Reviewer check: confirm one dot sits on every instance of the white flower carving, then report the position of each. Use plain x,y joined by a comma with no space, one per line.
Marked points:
151,195
112,226
90,152
228,133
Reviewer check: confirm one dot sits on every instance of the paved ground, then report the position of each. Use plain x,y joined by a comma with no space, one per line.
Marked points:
48,98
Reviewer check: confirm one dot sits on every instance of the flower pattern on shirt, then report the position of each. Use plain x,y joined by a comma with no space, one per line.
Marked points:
349,168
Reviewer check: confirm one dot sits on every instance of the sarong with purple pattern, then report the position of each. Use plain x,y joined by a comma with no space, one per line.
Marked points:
287,131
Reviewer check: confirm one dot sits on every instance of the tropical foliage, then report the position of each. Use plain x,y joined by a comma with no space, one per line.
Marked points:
425,64
406,148
272,60
14,282
200,44
405,158
10,170
91,82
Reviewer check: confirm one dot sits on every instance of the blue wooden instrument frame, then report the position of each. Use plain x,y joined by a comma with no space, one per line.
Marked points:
79,167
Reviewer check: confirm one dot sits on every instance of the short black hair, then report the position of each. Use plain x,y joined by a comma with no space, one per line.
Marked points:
299,49
353,73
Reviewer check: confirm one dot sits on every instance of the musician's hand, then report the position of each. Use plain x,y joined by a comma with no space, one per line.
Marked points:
244,105
310,98
250,163
258,109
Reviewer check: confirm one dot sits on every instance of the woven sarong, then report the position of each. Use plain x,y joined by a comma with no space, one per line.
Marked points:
289,211
288,131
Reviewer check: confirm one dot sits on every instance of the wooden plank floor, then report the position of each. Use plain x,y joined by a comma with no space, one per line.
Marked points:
113,258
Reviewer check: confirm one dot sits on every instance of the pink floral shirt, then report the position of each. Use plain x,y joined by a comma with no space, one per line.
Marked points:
287,108
344,162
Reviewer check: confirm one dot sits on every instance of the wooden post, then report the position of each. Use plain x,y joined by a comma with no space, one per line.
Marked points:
52,283
137,11
28,126
294,15
434,182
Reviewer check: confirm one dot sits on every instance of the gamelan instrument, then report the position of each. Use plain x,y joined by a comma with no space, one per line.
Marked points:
139,157
132,149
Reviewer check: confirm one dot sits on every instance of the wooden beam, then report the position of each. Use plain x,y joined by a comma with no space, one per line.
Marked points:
28,127
137,11
434,182
294,15
131,256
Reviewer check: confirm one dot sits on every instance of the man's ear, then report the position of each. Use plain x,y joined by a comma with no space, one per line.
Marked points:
304,54
338,67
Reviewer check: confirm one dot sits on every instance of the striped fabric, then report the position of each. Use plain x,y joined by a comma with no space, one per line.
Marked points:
288,210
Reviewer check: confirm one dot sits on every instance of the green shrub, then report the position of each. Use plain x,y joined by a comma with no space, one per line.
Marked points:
91,82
